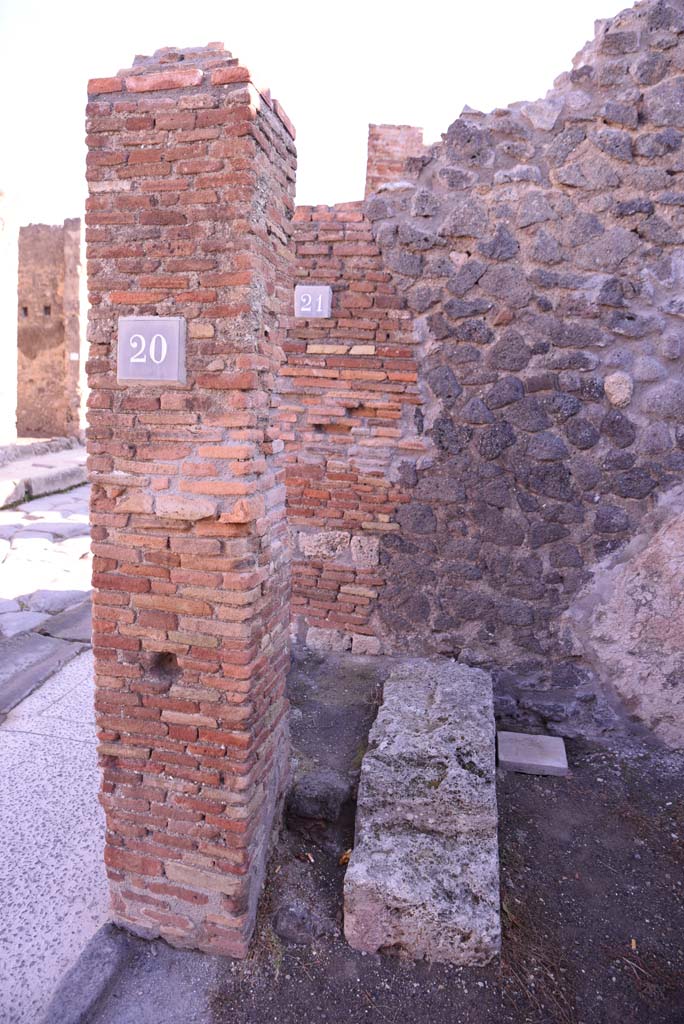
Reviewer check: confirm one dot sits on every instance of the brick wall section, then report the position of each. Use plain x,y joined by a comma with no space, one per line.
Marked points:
191,175
347,404
389,147
48,386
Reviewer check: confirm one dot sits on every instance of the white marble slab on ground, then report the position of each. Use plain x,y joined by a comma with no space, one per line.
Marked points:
53,888
534,755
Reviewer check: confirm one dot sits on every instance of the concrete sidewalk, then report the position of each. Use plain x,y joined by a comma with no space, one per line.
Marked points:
53,891
53,894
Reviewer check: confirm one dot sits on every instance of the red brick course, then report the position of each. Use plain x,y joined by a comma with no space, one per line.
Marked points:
348,394
191,184
389,147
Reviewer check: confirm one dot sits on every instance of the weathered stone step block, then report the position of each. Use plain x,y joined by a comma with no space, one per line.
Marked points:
424,873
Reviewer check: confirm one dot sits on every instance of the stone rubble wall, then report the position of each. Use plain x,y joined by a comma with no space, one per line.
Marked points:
539,251
191,176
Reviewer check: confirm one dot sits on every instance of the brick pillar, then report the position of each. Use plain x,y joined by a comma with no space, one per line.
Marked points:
191,175
389,147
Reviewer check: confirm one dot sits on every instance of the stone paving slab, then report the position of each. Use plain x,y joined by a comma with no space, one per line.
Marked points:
534,755
423,875
41,474
72,624
26,661
12,623
54,601
53,890
45,570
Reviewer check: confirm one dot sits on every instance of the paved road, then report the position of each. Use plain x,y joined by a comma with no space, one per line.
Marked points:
53,893
45,559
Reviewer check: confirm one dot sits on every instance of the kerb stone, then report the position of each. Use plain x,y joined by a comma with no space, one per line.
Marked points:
424,874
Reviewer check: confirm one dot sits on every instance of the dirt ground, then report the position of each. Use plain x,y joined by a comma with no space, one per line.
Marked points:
592,902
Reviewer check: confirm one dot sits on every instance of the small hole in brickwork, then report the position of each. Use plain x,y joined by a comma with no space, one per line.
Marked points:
47,310
165,665
24,310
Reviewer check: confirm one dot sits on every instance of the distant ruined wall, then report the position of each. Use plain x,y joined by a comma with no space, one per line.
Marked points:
536,261
74,301
49,330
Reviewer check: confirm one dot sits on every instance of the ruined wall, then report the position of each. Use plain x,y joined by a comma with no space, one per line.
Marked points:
539,250
348,398
74,305
49,330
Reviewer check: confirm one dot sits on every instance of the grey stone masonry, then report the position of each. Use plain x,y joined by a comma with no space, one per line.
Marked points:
423,876
539,251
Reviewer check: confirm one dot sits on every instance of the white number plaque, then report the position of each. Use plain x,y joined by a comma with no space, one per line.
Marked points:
313,300
151,349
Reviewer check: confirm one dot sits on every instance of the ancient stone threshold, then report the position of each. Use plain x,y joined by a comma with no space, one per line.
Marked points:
423,803
424,873
45,469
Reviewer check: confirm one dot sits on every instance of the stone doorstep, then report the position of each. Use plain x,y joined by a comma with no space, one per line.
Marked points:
532,754
42,474
26,447
423,875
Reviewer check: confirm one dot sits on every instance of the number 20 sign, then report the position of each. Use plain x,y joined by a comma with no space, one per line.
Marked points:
151,349
312,301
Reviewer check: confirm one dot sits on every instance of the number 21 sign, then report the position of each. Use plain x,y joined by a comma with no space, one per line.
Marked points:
151,349
313,300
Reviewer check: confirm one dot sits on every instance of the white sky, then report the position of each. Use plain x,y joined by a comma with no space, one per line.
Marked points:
335,67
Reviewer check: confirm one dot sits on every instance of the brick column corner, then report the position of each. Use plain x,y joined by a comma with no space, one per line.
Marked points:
191,179
389,147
